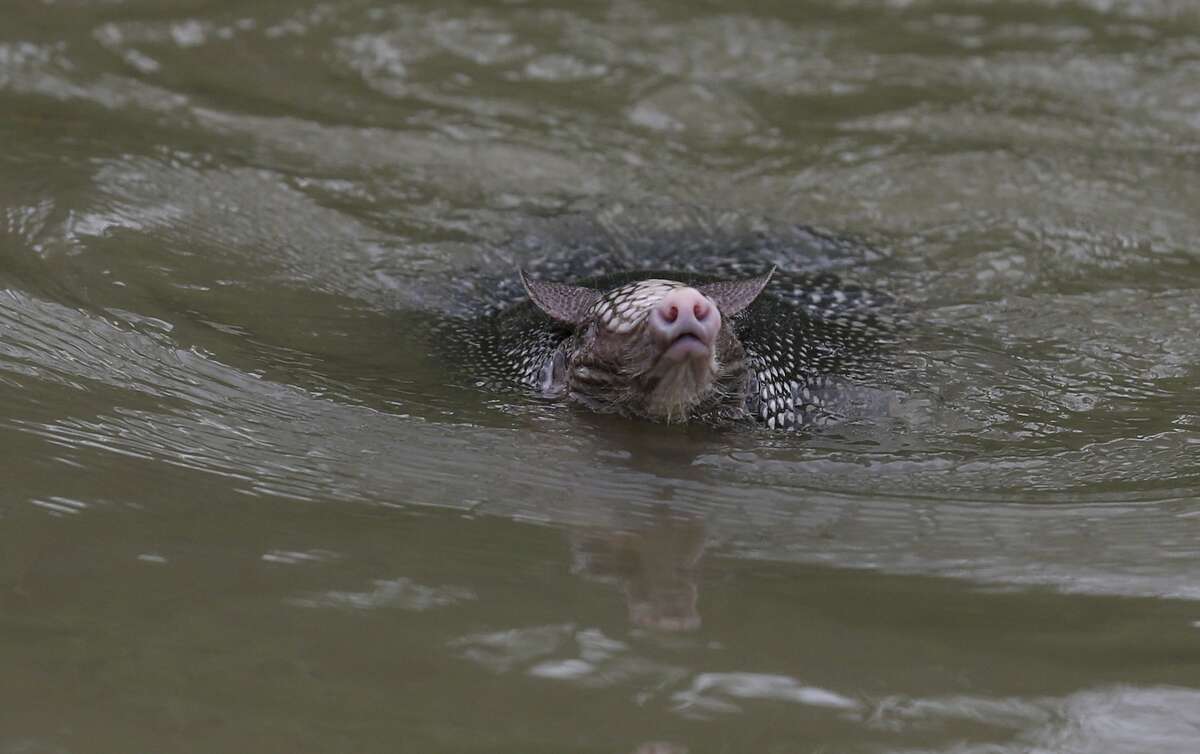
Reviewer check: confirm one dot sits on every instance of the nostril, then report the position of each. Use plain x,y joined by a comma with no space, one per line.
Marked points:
700,310
671,314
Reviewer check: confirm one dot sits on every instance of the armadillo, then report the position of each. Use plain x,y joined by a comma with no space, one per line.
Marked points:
778,349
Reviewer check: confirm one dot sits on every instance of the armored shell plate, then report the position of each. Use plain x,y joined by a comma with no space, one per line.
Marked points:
625,307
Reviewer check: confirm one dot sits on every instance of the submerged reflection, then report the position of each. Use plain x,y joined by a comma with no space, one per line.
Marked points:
661,747
654,559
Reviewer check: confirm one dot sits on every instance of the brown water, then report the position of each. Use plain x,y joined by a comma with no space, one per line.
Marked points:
243,509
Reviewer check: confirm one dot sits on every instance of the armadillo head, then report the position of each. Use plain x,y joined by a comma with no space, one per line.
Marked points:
654,348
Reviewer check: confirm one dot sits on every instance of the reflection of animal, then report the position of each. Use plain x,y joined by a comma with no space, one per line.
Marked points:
677,347
656,560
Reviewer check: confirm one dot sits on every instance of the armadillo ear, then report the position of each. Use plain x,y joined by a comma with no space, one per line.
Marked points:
565,303
734,295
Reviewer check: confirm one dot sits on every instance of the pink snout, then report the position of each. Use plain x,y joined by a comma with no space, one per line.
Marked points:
685,323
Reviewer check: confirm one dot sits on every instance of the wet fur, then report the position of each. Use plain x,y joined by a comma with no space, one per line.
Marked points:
615,373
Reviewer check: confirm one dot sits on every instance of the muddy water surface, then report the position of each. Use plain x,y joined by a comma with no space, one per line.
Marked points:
243,507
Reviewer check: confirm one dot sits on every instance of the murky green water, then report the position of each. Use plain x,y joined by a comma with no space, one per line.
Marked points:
244,510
